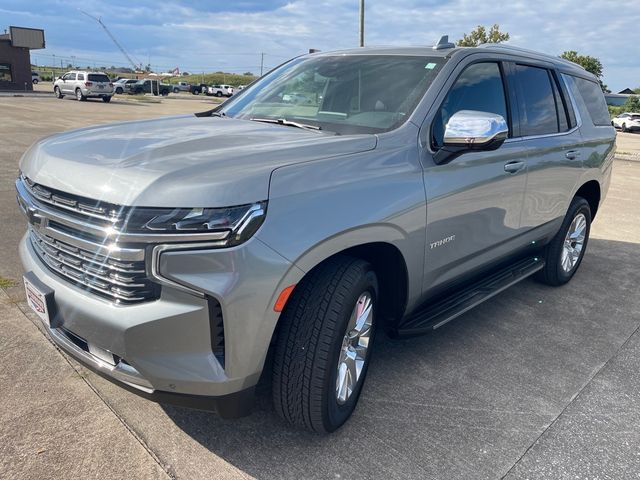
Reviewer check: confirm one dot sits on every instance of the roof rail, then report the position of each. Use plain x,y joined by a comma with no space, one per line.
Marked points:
502,46
444,43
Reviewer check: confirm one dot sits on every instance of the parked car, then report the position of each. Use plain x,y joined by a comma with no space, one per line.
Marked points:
193,249
220,90
297,98
198,89
181,87
35,77
241,87
123,85
150,86
627,122
84,84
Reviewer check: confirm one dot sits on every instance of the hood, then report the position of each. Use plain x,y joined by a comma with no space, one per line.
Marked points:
184,161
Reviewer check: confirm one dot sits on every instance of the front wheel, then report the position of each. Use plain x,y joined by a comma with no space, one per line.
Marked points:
324,344
218,94
624,128
119,91
57,92
106,99
565,252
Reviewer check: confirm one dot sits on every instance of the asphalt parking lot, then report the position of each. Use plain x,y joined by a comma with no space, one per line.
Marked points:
539,382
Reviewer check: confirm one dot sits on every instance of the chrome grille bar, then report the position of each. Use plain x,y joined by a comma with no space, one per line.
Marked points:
120,286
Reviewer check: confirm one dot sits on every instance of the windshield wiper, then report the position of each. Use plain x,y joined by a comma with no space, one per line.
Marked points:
287,123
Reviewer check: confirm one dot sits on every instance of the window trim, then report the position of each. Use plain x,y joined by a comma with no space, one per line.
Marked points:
564,87
502,67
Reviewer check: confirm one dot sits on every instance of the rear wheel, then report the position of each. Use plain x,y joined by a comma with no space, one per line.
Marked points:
624,127
79,96
323,348
218,93
565,252
57,92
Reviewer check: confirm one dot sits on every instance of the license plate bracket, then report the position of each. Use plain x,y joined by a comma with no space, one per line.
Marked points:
40,298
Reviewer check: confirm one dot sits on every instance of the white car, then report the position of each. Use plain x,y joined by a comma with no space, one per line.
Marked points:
627,122
83,85
35,78
220,90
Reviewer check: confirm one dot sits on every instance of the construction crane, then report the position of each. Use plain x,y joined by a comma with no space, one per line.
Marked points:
124,52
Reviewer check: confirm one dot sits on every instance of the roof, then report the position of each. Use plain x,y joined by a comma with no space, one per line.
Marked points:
429,51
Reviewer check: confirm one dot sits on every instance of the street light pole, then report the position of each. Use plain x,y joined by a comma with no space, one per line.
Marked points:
362,23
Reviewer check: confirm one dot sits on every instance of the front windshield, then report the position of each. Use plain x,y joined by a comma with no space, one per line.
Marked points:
342,94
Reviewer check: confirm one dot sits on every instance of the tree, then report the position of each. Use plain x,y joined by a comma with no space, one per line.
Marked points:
248,74
480,36
589,63
632,104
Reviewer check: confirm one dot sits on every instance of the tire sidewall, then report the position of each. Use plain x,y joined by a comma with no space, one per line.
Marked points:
334,414
579,207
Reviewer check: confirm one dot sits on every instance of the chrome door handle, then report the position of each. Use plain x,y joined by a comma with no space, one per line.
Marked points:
572,154
513,167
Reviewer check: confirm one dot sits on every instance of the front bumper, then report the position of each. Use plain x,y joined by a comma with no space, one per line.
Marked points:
164,347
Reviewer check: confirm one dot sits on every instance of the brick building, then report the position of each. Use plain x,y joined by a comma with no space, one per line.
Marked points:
15,57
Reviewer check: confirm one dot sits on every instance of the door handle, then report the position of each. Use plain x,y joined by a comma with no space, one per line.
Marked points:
572,154
513,167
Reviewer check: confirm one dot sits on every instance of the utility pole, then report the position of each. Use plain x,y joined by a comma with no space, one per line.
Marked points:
261,63
362,23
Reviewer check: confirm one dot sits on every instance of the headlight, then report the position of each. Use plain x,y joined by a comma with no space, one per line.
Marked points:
241,222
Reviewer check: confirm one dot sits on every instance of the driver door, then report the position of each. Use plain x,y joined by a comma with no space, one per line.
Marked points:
474,201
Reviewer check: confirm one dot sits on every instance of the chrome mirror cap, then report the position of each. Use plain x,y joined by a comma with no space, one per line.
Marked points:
470,128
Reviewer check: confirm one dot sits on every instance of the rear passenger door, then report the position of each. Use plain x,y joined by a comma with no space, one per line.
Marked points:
549,134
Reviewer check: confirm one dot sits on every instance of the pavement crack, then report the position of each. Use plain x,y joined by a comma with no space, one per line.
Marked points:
165,468
575,396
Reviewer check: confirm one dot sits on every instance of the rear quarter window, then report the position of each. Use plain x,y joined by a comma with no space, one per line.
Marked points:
96,77
593,98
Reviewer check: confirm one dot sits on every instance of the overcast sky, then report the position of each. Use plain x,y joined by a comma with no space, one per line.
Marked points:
229,35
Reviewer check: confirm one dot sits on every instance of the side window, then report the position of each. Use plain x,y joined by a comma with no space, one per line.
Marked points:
81,76
537,102
563,121
72,76
593,98
479,87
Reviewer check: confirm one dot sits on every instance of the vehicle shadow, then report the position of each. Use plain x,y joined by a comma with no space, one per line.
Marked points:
463,402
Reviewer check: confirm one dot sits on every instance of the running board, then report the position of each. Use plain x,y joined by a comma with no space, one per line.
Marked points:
440,312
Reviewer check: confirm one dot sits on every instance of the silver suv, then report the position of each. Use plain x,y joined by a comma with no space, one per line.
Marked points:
83,85
177,256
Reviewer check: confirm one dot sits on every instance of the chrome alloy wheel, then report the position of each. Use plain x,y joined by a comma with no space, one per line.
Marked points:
355,344
573,243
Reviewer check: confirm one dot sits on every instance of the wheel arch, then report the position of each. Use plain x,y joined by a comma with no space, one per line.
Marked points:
591,192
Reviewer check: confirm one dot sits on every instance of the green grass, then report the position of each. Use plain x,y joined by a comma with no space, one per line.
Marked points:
233,79
7,282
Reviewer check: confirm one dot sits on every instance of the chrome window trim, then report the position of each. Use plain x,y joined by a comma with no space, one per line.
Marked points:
558,134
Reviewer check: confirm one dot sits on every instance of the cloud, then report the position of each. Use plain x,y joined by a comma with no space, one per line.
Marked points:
206,35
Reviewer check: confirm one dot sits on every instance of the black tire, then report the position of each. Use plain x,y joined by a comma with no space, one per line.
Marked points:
312,328
35,81
553,273
57,92
624,128
218,94
106,99
79,96
119,91
175,90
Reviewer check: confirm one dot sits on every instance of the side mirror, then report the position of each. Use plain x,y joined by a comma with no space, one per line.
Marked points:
469,130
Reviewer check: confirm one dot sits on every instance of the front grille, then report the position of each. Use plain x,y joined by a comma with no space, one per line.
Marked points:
80,207
121,281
